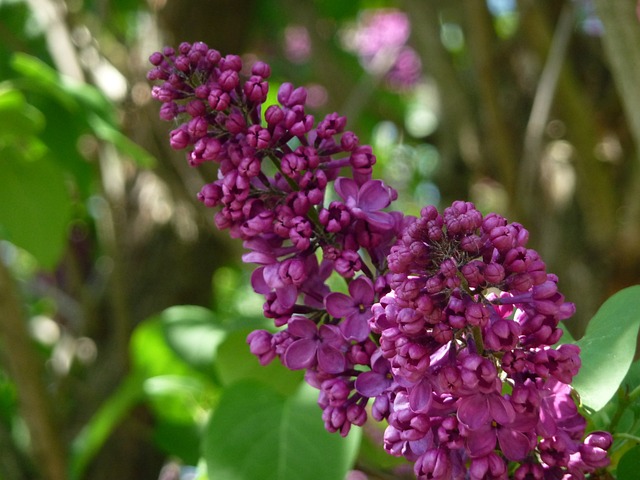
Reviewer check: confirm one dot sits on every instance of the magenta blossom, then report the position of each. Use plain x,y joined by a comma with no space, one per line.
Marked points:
314,346
355,309
366,201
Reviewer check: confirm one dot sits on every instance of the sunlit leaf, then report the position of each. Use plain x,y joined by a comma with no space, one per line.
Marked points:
608,348
150,354
17,117
257,433
193,333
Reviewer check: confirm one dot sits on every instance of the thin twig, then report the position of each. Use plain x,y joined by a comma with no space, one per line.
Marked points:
27,371
541,107
499,135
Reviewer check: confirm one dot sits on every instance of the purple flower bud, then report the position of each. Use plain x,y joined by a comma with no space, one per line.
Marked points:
156,58
256,89
274,115
228,80
362,159
258,137
197,128
218,100
202,91
348,263
169,111
260,344
231,63
179,138
261,69
182,63
290,97
501,335
196,108
297,122
529,471
593,451
434,464
213,57
494,273
235,123
488,467
349,141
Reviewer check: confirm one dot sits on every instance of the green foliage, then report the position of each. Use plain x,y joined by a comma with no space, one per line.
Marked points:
194,334
36,207
257,433
628,466
608,348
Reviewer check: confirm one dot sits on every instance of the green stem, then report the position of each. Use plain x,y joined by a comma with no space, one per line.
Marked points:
627,436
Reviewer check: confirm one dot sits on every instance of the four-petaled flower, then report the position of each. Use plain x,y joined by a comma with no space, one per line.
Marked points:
355,308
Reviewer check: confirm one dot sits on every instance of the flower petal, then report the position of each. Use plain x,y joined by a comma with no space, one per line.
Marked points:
420,396
356,327
374,195
258,283
339,305
330,359
300,354
361,290
514,444
287,295
381,220
501,409
481,442
473,411
302,327
372,384
346,188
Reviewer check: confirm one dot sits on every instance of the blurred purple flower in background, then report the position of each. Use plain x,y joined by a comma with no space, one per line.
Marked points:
379,38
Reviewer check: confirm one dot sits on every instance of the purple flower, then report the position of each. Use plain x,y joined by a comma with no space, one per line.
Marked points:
480,409
374,382
355,308
365,201
314,346
260,344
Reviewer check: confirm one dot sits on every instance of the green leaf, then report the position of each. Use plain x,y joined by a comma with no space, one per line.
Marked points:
17,117
235,363
110,133
150,354
628,465
36,207
180,440
608,348
257,433
177,398
194,334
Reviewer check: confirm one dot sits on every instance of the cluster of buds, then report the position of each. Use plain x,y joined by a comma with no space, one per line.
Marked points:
447,325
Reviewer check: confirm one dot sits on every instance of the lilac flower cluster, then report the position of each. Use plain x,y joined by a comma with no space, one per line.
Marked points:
447,326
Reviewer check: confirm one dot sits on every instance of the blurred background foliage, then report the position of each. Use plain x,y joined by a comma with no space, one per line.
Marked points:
528,108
